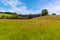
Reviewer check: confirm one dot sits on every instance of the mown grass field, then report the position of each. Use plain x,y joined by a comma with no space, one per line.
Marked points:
33,29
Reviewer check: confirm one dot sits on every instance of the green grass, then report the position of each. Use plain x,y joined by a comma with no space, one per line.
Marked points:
34,29
1,14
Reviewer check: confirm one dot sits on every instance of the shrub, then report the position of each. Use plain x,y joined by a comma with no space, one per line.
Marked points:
15,16
30,16
54,14
3,16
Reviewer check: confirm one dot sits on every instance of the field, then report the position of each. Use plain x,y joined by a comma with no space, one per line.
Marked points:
1,14
41,28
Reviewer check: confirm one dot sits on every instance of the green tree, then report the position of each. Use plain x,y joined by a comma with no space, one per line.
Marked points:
44,12
30,16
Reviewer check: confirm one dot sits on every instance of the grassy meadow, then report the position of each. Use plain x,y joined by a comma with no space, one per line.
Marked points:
41,28
5,15
1,14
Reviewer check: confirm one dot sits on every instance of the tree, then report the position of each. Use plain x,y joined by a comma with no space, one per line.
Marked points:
44,12
54,14
30,16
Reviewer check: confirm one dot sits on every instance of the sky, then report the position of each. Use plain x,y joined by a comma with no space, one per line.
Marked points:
30,6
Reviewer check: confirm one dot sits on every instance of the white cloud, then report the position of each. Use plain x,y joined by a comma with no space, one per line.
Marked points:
53,7
13,4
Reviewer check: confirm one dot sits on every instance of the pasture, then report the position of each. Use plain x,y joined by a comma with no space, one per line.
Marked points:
33,29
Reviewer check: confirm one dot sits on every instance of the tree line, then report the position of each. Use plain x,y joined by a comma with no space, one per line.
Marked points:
44,12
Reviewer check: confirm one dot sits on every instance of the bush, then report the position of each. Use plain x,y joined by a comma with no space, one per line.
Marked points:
3,16
30,16
54,14
44,12
15,16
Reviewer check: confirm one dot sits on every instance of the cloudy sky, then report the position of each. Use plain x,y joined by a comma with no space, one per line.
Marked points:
30,6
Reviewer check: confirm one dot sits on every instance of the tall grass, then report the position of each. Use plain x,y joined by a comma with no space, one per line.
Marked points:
29,29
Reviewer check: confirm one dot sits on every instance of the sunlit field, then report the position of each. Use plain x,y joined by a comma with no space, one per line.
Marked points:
32,29
5,14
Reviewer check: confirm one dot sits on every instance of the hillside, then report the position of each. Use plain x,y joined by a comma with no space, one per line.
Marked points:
1,14
38,28
49,17
5,15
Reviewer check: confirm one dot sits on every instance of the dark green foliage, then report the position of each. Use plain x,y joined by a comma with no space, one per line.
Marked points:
3,16
9,13
8,17
44,12
15,16
30,16
54,14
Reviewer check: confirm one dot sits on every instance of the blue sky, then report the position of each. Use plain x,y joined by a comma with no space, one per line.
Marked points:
30,6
